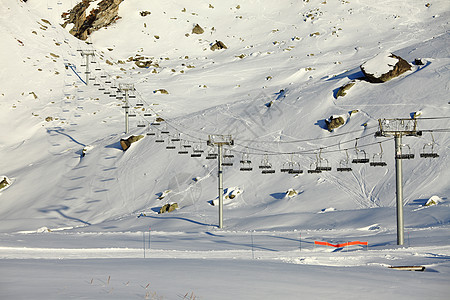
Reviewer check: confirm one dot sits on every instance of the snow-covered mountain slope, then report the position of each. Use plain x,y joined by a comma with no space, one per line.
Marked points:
271,89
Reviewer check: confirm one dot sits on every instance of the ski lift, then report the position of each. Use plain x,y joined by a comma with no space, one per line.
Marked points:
147,114
186,144
183,150
175,137
227,154
319,165
211,154
104,76
379,162
119,97
314,169
150,132
429,153
133,97
296,169
159,138
266,166
170,145
360,158
246,163
344,165
197,151
106,92
227,161
408,155
165,130
287,167
141,124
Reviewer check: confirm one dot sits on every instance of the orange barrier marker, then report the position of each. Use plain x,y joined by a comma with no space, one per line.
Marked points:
341,245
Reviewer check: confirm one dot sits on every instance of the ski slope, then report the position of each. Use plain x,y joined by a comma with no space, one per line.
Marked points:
272,90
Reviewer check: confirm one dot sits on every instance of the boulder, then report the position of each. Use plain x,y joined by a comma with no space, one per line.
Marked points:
4,183
218,45
384,67
343,89
197,29
126,143
168,208
334,122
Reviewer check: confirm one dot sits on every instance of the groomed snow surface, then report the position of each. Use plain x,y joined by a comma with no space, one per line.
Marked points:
79,216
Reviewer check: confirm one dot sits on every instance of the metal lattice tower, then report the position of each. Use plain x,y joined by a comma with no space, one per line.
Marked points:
398,128
220,141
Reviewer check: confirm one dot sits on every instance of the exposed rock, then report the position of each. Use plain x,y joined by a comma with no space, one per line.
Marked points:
334,122
197,29
418,62
218,46
384,67
434,200
145,13
87,22
168,208
343,89
4,183
162,91
125,143
291,193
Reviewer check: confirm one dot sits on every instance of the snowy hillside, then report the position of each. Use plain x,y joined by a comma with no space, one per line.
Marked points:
272,89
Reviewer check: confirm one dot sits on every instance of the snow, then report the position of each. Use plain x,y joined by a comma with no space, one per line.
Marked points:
380,64
81,214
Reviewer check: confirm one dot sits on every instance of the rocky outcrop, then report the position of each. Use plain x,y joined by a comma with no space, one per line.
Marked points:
4,183
85,22
168,208
197,29
384,67
126,143
343,89
218,45
334,122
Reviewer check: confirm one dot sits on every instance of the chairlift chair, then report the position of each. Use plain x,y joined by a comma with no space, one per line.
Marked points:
246,165
170,145
132,115
175,138
159,138
183,151
211,154
165,131
408,155
186,144
313,170
429,153
150,132
227,162
344,165
147,114
319,165
197,151
141,124
287,167
227,154
296,169
360,159
266,166
379,162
